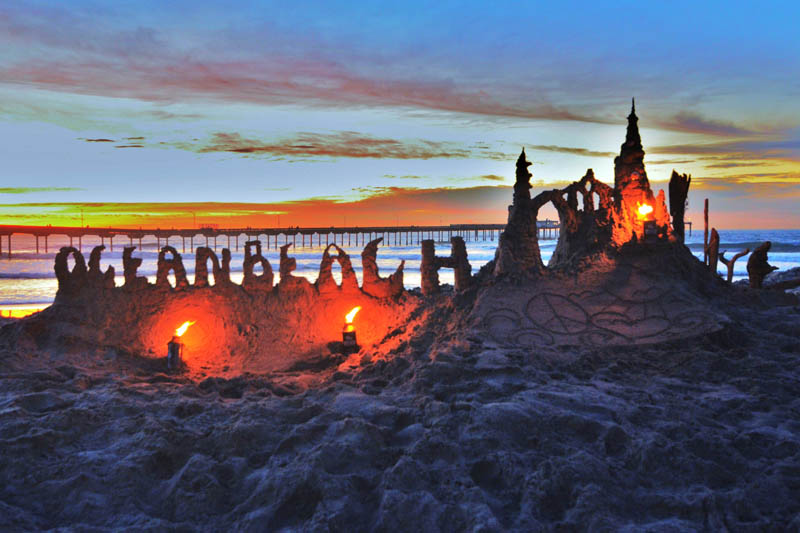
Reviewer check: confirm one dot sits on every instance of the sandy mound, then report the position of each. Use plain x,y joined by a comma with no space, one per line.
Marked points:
645,295
234,331
440,432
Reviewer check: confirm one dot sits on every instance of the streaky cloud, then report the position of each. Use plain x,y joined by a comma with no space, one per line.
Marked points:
570,150
689,122
30,190
342,144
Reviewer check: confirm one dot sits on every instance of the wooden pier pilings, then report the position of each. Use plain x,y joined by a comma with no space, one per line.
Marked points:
299,236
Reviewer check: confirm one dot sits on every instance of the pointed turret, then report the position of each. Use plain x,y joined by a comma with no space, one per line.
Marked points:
522,186
630,178
518,250
632,138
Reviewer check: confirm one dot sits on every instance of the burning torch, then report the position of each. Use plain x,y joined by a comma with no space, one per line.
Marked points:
175,347
349,330
644,211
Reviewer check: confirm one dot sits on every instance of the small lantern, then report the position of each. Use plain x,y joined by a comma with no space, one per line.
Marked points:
650,230
349,331
175,347
174,353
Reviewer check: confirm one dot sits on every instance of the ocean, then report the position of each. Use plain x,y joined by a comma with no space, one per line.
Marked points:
28,277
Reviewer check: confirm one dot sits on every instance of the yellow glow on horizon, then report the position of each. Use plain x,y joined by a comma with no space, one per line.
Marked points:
21,311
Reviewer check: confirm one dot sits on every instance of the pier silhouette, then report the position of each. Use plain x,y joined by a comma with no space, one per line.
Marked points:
211,236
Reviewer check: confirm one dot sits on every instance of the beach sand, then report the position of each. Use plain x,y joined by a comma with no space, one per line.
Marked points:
438,430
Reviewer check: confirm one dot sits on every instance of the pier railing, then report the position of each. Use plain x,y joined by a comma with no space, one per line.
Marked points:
302,236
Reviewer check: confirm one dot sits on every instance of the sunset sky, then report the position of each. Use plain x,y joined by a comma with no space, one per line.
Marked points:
369,113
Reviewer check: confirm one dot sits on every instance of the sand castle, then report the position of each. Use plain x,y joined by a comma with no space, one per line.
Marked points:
620,275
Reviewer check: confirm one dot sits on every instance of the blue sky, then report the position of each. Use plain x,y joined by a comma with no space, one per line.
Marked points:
339,102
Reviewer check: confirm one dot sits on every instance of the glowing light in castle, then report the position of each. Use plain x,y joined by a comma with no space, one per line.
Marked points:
643,210
183,327
349,332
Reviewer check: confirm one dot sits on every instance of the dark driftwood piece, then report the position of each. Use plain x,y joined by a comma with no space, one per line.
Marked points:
713,250
732,261
678,192
758,267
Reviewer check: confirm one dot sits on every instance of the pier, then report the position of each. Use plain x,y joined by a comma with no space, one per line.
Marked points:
211,236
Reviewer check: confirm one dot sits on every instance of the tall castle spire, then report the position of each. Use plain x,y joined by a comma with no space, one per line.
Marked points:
632,138
629,165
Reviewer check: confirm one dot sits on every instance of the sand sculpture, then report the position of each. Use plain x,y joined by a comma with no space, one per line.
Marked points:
285,319
174,265
619,274
612,222
457,260
758,267
373,283
251,281
71,282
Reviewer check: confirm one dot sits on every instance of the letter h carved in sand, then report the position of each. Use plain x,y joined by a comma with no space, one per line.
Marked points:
429,268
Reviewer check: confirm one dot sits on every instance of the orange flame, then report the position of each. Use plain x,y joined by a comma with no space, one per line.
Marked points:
348,318
182,329
643,210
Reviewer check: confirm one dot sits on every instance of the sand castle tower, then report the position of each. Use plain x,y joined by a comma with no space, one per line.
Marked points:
618,274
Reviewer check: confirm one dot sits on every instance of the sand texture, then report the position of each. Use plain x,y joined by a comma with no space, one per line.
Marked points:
636,299
433,430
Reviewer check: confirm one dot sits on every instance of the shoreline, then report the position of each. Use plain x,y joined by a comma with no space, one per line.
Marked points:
22,310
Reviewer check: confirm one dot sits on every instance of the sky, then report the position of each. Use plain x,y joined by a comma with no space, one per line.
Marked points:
160,114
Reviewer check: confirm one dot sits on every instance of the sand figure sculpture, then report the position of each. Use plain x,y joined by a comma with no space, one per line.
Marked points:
71,282
175,264
325,282
225,269
758,267
288,281
265,280
95,275
373,283
202,256
431,263
130,265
